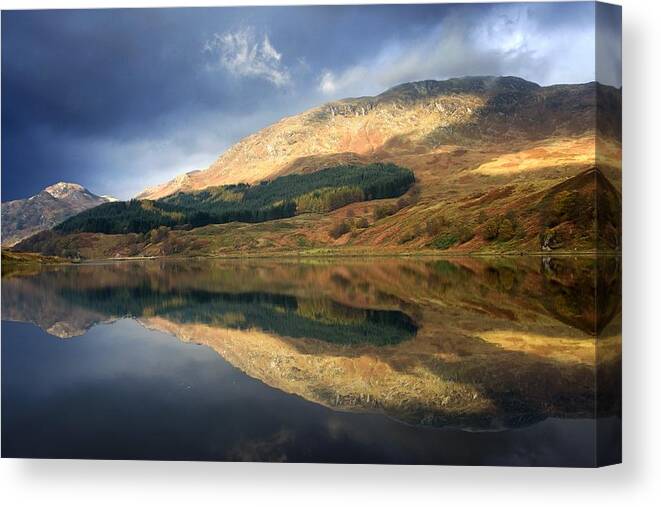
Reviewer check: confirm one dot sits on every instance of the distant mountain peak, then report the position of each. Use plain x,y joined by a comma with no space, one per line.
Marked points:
23,217
62,189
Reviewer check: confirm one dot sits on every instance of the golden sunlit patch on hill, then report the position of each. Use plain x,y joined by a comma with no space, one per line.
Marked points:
569,154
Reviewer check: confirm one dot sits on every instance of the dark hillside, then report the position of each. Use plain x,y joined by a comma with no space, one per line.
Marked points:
282,197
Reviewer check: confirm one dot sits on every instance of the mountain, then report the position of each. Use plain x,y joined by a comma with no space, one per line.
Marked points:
408,120
500,165
24,217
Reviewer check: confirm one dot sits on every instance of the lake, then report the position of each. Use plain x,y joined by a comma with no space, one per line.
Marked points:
470,361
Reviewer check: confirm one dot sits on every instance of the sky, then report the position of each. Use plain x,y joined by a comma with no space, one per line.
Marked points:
121,99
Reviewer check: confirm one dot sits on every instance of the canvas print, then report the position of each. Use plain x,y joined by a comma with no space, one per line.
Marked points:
342,234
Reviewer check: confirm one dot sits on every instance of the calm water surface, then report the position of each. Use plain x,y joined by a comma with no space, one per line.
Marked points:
460,361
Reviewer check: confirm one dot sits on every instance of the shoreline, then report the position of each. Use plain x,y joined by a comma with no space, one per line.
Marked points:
303,255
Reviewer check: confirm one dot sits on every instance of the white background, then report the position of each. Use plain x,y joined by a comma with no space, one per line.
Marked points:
636,482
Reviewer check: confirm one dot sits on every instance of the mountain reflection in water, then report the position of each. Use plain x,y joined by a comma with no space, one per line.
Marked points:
461,344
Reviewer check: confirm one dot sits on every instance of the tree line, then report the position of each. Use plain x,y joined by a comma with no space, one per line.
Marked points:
281,197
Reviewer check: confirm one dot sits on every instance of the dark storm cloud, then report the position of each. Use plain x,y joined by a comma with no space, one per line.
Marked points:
121,99
91,71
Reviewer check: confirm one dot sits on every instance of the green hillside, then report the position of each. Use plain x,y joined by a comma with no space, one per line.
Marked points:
282,197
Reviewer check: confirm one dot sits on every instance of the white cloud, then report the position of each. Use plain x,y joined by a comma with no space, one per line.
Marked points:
510,40
243,54
328,82
269,51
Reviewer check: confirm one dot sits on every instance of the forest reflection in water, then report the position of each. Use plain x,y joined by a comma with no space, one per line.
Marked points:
463,343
